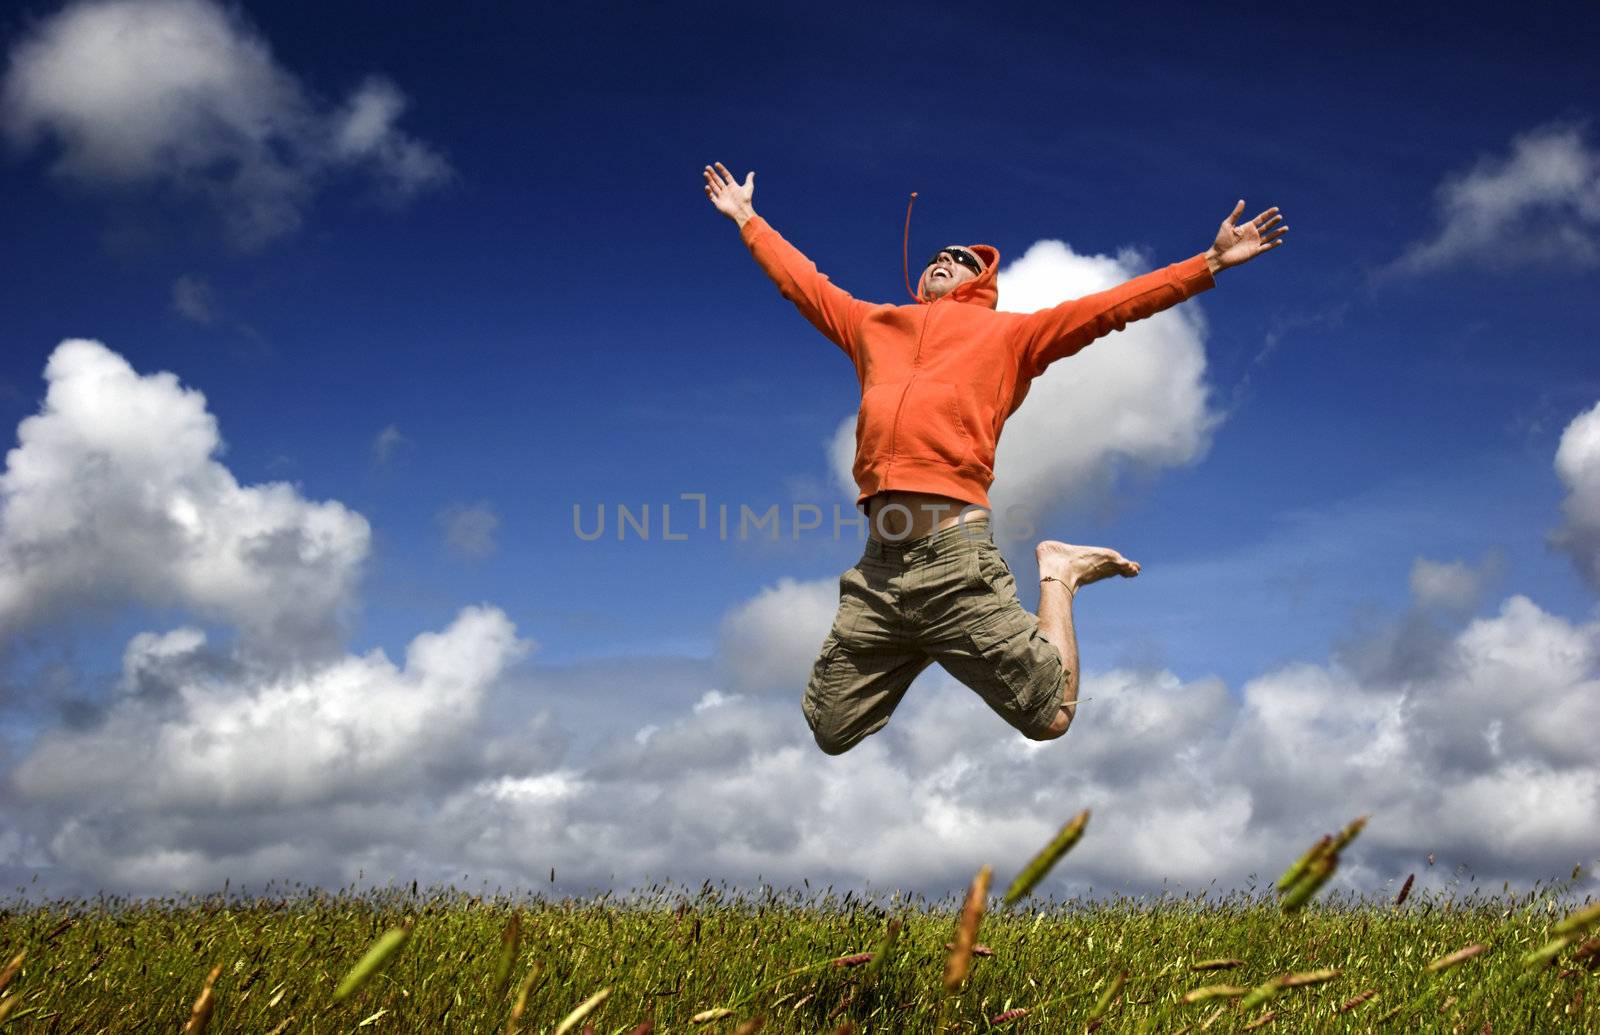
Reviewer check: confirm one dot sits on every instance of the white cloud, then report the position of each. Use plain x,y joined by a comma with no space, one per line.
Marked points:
278,739
469,528
211,762
113,498
766,644
1453,585
1137,397
1578,465
386,443
1539,204
192,299
185,96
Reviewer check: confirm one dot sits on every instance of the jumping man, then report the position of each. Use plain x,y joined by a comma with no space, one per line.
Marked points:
938,381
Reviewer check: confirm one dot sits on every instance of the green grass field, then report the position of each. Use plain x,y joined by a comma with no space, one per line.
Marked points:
781,962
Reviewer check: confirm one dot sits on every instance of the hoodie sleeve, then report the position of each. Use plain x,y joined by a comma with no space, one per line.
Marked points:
830,308
1055,333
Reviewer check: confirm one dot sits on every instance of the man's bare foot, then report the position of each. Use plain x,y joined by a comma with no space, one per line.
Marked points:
1080,565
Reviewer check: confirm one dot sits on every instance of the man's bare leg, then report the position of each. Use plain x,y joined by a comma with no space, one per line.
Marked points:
1074,566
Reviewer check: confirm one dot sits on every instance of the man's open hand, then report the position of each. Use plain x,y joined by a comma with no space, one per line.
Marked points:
1236,244
729,196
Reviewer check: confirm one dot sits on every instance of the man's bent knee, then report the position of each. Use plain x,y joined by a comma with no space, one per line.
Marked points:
1057,728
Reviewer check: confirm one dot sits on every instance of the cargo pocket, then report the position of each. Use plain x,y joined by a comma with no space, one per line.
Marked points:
1022,682
822,688
993,573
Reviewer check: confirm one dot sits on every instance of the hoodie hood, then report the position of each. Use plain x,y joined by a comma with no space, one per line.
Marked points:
980,290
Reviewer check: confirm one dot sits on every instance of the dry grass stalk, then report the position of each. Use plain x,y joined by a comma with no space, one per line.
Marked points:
510,941
1107,997
881,954
645,1027
283,1026
1444,963
520,1007
1051,854
12,968
1545,953
1262,993
1309,977
853,961
1405,890
383,950
716,1013
1201,994
584,1009
205,1002
960,959
1266,1018
1356,1000
1579,921
751,1026
1219,964
1009,1015
977,950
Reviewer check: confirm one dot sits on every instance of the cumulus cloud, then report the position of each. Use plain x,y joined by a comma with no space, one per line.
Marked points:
1540,204
1578,465
1482,759
1136,398
185,97
113,498
766,645
1466,737
469,528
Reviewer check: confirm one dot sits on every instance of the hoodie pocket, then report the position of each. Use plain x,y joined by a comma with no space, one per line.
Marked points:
930,426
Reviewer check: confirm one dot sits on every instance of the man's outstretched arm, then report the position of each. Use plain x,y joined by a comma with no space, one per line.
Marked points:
1057,332
830,308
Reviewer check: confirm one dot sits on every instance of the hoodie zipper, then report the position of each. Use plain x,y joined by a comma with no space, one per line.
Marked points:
916,355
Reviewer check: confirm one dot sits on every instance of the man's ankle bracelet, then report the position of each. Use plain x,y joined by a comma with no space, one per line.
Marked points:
1052,578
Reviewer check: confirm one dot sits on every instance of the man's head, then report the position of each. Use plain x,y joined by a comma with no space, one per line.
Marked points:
949,268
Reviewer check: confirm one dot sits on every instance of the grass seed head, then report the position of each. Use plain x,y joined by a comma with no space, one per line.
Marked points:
1580,921
1051,854
382,952
1444,963
1107,997
200,1013
960,959
510,941
1201,994
583,1009
12,968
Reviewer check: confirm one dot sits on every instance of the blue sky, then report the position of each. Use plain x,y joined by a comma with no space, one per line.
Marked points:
511,297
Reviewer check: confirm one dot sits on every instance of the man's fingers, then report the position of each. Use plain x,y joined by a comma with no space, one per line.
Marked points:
1234,214
750,181
727,177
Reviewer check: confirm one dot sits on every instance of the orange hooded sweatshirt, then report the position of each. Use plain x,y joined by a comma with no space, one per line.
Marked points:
939,378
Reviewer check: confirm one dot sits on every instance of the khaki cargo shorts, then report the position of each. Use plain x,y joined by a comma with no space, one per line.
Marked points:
950,598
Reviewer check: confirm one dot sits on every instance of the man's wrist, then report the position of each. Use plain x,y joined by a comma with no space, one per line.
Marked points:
1214,261
744,216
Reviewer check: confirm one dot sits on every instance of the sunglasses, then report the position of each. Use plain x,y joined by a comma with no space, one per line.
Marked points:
960,255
